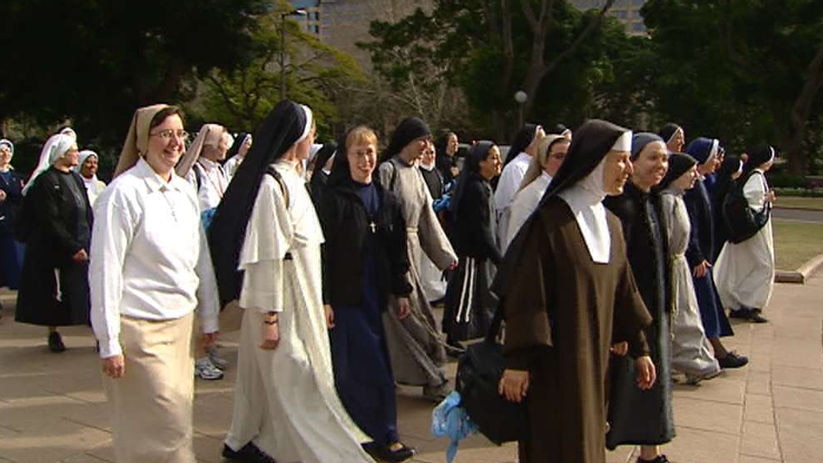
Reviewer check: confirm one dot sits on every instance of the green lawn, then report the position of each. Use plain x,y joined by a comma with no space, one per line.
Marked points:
796,242
799,201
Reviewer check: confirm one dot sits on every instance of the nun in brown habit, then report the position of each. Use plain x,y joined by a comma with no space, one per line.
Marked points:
567,295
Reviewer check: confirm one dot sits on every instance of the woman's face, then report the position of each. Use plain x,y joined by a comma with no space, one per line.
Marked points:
414,150
5,155
678,141
616,171
304,147
651,165
89,168
686,181
557,154
451,145
428,155
362,158
166,144
71,158
491,166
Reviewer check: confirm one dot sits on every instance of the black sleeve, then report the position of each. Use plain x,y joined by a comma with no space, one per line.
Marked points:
622,208
694,254
47,200
476,214
327,213
398,250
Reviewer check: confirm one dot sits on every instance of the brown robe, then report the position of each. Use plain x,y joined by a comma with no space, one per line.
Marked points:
590,306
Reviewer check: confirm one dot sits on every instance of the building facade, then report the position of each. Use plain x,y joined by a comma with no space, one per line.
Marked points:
626,11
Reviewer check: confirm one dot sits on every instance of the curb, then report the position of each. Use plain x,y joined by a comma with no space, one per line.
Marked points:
801,274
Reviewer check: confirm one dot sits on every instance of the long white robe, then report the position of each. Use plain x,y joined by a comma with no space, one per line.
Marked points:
744,272
691,351
285,400
524,204
415,347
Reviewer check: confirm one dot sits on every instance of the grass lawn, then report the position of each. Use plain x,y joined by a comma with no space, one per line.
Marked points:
796,242
799,201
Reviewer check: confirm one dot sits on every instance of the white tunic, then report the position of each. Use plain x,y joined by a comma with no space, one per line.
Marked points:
285,400
149,257
524,204
231,166
212,183
691,351
744,272
93,188
509,182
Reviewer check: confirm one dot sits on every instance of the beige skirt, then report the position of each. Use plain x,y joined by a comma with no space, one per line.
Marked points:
152,403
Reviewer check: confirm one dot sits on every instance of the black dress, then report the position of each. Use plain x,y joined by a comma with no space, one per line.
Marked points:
469,304
11,251
639,417
54,290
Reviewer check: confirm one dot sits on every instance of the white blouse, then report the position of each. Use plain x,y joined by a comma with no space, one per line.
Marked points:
149,256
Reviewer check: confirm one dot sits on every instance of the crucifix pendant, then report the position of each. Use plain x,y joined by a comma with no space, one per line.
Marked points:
373,227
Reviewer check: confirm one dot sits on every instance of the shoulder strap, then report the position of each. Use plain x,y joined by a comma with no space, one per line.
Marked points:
279,178
393,177
198,175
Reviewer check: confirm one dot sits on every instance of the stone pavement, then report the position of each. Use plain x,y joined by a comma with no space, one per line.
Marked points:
52,408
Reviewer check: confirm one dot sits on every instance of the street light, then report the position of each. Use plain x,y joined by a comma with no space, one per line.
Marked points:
298,11
520,97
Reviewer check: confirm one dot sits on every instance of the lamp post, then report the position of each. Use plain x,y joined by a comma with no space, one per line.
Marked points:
299,11
520,97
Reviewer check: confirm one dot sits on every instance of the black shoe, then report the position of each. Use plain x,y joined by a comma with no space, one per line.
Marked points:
732,360
250,453
756,317
743,313
385,453
658,459
56,342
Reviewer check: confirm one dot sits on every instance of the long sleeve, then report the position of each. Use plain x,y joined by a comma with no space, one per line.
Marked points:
399,255
476,215
694,254
329,218
507,186
112,235
433,239
208,305
48,198
266,246
630,312
755,191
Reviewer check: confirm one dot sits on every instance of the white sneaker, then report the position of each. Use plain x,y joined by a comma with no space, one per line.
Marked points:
204,369
216,359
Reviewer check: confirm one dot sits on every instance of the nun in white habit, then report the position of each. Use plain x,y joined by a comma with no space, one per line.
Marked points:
744,271
87,168
285,403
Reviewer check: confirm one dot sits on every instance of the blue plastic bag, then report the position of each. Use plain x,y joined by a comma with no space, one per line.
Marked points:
450,420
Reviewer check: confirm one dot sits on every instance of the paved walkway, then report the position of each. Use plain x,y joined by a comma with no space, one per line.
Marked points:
52,408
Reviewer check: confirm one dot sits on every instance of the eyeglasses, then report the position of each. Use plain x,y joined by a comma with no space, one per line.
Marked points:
168,133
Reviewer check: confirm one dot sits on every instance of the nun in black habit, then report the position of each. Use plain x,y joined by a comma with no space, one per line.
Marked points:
567,293
644,417
469,304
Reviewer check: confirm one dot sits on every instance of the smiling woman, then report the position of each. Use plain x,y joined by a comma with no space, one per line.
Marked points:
54,286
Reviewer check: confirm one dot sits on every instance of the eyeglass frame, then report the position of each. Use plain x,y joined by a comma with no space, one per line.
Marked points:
168,133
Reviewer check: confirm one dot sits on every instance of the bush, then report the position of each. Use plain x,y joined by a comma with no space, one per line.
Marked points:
784,180
804,192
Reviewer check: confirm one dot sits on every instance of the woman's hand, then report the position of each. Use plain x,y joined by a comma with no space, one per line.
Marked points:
513,385
329,316
80,256
114,367
646,374
620,349
403,308
702,269
271,332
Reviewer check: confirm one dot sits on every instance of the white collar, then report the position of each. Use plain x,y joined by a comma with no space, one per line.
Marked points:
585,199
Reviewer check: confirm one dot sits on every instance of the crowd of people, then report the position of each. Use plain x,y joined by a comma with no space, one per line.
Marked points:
612,255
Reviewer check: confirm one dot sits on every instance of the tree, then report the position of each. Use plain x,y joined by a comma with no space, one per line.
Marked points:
95,61
742,71
316,73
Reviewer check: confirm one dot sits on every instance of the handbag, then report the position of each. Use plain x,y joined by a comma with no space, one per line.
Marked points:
741,221
478,376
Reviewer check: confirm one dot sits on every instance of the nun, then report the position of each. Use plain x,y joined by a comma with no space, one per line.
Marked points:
445,149
364,260
236,154
417,351
674,136
54,289
744,272
321,169
432,278
87,168
551,152
729,171
265,240
470,304
644,417
11,197
691,351
200,165
700,251
522,150
567,294
150,271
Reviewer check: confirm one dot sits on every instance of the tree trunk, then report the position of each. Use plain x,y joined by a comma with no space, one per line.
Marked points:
801,110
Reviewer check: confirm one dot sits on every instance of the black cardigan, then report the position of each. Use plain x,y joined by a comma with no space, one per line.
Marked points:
473,221
346,227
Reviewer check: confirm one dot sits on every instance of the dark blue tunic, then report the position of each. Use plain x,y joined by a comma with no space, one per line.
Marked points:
11,251
362,370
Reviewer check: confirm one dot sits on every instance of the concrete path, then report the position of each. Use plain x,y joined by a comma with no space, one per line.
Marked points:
52,408
797,214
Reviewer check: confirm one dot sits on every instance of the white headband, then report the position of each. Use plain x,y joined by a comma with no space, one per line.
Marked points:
624,142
